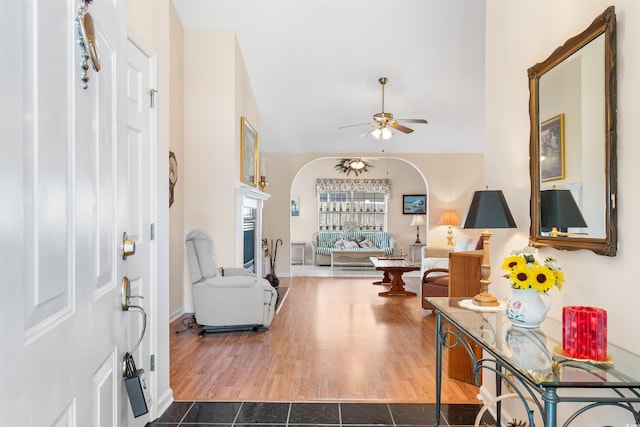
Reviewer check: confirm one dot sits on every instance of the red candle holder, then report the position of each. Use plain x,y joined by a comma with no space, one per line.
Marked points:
584,332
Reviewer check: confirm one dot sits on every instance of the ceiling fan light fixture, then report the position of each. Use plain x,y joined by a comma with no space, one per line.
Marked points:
356,164
382,121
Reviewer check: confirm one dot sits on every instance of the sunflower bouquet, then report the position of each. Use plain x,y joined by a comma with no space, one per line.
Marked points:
526,272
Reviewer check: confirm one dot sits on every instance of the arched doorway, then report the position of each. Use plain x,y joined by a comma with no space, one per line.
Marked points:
405,179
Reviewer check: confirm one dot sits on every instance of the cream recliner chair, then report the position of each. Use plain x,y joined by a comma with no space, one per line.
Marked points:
226,298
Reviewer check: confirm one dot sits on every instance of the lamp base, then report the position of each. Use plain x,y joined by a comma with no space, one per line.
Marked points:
450,237
485,299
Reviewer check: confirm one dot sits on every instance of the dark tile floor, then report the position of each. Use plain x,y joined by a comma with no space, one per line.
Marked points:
252,414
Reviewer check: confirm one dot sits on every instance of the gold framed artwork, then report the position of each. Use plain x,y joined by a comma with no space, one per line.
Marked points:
248,153
552,149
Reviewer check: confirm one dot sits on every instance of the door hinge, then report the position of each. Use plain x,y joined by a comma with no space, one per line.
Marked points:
152,97
152,362
152,231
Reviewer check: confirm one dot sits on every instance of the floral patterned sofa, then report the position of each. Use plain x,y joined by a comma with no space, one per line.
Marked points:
325,242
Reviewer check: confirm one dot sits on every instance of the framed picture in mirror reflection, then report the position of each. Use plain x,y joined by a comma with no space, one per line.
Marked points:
552,149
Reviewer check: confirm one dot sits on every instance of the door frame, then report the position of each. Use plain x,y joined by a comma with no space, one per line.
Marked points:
156,376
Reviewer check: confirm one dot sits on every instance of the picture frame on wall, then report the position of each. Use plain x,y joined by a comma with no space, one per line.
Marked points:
248,153
552,149
295,205
413,204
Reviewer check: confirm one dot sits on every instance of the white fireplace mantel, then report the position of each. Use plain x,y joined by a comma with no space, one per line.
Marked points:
250,197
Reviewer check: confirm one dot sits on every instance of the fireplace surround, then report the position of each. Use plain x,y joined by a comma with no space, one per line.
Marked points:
249,203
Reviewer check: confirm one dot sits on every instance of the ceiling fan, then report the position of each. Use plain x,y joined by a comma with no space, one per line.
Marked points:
383,121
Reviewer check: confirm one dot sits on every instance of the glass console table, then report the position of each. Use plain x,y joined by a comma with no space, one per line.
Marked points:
531,364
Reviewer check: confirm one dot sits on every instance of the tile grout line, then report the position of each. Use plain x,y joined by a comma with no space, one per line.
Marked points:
288,413
185,414
393,421
233,423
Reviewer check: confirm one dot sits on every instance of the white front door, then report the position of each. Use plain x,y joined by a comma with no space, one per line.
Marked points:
64,208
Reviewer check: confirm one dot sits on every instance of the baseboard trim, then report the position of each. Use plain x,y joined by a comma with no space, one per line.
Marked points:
164,402
176,314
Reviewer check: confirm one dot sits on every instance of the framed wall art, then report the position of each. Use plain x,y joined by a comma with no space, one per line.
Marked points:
552,149
248,153
414,204
295,205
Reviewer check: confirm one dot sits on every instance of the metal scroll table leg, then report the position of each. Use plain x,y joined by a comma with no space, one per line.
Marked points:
438,366
498,393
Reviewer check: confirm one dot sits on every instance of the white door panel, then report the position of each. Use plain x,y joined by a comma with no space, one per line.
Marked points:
68,165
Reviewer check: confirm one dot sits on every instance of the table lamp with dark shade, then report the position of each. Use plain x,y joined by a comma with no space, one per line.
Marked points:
559,211
488,209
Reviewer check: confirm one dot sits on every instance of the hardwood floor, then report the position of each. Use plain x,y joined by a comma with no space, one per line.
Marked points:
334,339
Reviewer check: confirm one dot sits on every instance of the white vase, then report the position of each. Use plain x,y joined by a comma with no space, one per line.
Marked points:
527,308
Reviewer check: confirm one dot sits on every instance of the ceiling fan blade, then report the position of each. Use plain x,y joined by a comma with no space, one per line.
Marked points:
350,126
401,128
412,120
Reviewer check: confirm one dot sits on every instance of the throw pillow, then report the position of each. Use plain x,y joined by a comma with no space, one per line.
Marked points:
350,244
366,243
339,243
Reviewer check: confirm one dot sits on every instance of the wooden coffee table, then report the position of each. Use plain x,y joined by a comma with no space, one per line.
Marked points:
393,269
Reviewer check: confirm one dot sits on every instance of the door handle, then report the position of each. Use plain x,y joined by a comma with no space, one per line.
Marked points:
127,306
128,246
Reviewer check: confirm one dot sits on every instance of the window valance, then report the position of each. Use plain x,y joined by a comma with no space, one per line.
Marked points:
331,185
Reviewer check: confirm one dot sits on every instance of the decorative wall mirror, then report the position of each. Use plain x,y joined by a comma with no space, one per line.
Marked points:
572,108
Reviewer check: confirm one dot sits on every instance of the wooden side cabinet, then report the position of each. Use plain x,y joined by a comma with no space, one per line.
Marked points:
464,281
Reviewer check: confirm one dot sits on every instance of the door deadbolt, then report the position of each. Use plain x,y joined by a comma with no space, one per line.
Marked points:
128,246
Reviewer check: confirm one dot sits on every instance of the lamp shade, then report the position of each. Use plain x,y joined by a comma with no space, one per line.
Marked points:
489,209
417,220
558,209
449,218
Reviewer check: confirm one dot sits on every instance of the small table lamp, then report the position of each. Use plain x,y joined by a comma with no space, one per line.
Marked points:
417,220
488,209
449,218
558,210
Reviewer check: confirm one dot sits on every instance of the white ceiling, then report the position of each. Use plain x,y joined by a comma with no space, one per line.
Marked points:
314,66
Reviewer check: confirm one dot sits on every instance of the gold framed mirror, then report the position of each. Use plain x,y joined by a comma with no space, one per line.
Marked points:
572,108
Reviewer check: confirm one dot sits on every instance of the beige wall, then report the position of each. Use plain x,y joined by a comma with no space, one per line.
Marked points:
519,34
217,92
176,144
448,179
151,24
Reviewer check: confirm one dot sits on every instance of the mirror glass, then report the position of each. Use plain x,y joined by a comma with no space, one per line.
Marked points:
572,111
